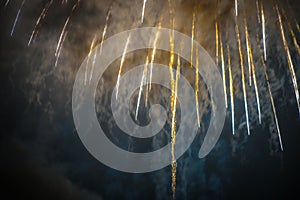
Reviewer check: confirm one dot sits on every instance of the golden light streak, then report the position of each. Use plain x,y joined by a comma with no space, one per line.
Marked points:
153,54
223,71
17,17
143,11
236,7
88,59
255,84
63,33
141,87
292,32
289,59
231,88
243,75
263,31
248,49
197,88
193,35
217,42
42,16
271,96
121,65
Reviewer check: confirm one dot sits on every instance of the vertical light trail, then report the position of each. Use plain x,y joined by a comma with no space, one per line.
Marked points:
258,11
248,49
42,16
121,65
143,11
6,3
271,96
223,70
153,55
17,17
171,62
88,60
231,89
263,24
217,42
291,32
289,59
243,74
197,88
236,7
102,40
255,85
141,87
193,35
63,33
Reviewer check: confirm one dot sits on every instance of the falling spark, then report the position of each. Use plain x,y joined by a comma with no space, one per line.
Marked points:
290,63
105,28
248,49
197,88
258,11
141,88
243,75
63,33
59,50
236,7
121,65
193,35
42,16
102,40
217,42
231,89
143,11
223,70
255,85
292,33
6,3
271,96
153,55
263,31
17,17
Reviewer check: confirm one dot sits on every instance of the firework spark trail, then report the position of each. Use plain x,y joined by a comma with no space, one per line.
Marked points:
6,3
42,16
153,55
141,87
121,65
171,62
295,21
231,88
291,32
223,70
93,63
289,59
88,59
63,33
197,88
217,42
248,44
270,94
255,84
243,74
258,11
143,11
236,7
193,35
263,24
17,17
59,50
105,28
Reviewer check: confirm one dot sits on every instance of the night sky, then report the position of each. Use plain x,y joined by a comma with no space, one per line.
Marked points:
42,156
